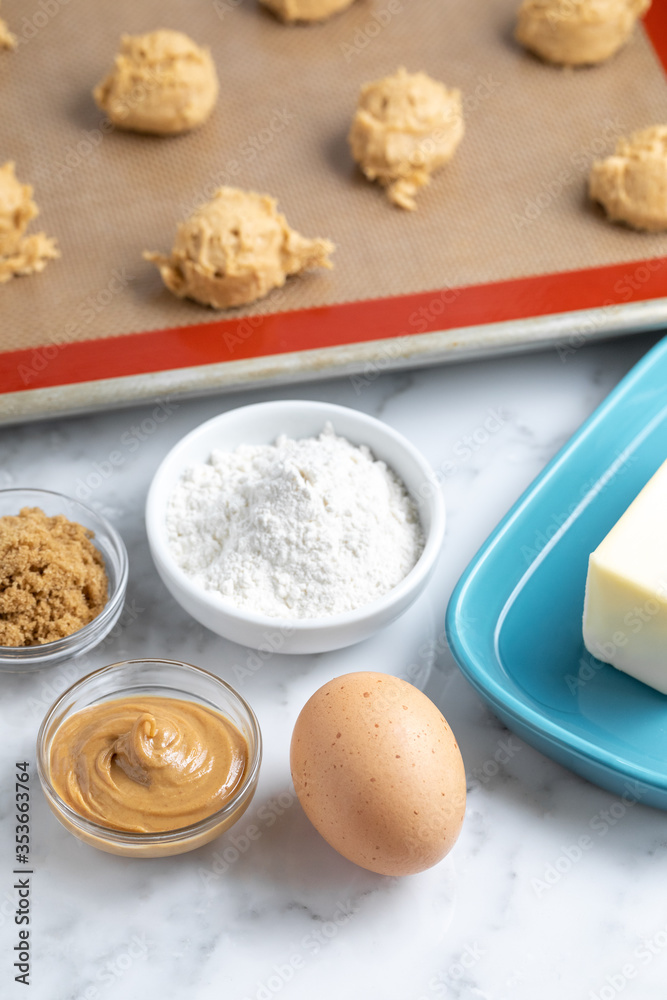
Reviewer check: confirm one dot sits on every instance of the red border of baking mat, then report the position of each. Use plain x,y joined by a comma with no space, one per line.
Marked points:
338,325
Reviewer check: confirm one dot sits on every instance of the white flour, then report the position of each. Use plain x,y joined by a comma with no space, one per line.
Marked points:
299,529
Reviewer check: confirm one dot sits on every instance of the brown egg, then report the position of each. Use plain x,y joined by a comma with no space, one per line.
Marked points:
379,773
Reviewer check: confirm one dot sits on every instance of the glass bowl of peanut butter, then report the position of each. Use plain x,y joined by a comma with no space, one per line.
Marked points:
149,758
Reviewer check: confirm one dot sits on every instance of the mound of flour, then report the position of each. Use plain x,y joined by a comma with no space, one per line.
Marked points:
299,529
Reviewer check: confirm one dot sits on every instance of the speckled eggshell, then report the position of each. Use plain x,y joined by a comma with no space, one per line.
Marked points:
379,773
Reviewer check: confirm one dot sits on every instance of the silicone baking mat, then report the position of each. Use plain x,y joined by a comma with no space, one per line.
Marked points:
504,232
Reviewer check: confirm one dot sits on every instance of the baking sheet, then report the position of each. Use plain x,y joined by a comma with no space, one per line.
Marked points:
512,203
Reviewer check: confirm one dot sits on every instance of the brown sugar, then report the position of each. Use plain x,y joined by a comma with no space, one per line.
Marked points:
52,578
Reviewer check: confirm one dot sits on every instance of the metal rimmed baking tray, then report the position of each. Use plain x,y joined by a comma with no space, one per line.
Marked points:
504,253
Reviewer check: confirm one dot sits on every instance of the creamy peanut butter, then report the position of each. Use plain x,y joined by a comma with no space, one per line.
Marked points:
147,764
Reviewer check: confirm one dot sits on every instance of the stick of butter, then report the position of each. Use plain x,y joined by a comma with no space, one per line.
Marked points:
625,608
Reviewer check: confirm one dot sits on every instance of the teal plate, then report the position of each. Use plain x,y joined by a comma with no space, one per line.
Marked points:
514,619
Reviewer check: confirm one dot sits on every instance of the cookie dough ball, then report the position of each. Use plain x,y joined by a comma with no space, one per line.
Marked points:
577,32
7,39
20,254
632,184
161,82
306,10
235,249
406,126
16,209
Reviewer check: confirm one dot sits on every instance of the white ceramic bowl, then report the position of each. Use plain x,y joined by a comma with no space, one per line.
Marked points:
261,424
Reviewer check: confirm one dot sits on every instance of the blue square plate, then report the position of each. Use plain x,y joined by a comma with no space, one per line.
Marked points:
514,619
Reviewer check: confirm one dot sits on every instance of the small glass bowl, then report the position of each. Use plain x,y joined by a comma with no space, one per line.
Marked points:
163,679
20,659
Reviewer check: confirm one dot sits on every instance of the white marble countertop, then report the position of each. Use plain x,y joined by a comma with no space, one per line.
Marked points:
285,916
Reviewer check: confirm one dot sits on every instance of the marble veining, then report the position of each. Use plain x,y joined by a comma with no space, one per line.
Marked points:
517,911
